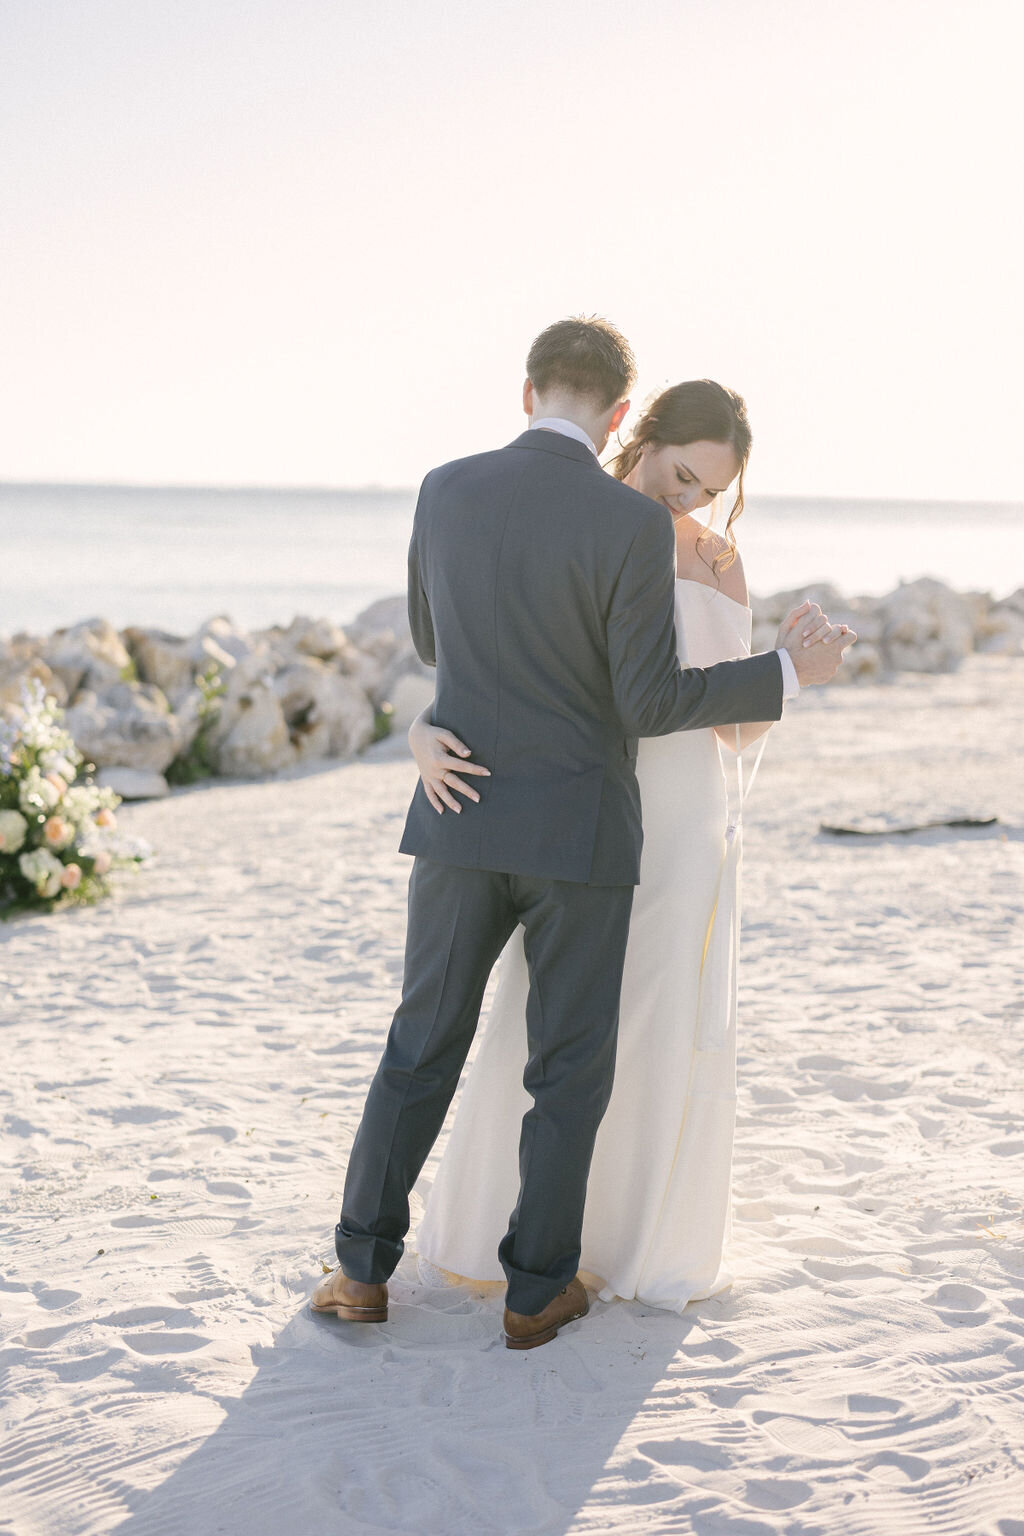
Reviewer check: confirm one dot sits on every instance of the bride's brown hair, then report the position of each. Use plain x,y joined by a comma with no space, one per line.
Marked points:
699,411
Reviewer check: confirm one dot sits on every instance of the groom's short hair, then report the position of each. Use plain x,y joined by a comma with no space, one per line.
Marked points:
583,356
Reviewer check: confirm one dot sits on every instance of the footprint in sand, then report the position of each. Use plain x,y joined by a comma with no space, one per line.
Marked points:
817,1441
776,1492
848,1088
54,1300
222,1132
136,1114
165,1343
86,1367
861,1270
781,1156
200,1226
685,1453
896,1468
862,1402
959,1305
43,1338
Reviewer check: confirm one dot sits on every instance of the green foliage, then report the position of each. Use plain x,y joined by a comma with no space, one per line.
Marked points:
197,762
56,823
383,721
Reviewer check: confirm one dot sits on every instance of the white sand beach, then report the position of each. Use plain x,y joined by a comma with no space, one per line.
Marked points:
184,1067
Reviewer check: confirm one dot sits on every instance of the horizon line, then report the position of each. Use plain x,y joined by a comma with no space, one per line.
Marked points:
378,488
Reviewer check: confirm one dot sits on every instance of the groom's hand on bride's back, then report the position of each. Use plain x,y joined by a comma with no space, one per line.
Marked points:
816,645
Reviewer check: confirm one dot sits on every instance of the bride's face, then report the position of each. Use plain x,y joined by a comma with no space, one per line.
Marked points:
684,477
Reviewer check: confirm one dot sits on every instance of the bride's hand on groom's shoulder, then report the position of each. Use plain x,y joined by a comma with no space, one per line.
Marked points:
441,759
816,645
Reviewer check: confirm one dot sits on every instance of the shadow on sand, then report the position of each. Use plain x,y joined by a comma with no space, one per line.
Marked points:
425,1423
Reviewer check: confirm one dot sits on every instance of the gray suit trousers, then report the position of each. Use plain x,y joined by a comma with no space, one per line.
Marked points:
459,922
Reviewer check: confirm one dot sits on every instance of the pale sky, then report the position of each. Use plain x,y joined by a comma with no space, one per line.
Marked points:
299,242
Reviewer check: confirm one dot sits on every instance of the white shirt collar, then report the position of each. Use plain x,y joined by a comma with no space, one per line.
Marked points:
567,429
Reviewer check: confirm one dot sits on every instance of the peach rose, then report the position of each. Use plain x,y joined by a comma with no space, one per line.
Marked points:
102,861
72,877
59,784
57,832
105,818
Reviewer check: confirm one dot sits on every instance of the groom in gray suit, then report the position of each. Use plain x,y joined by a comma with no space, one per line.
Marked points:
543,591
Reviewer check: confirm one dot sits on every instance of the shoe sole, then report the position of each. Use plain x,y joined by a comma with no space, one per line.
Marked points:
353,1314
532,1340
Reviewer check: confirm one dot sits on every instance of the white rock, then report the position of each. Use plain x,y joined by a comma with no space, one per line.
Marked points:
774,608
368,672
927,627
18,670
250,735
862,663
130,725
161,659
172,662
133,783
763,636
1014,601
88,655
411,693
319,638
224,637
1003,631
328,715
388,615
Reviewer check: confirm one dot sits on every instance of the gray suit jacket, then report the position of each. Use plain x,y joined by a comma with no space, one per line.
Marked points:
543,591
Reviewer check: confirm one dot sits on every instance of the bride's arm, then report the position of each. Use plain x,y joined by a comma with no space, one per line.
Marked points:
749,733
438,752
734,585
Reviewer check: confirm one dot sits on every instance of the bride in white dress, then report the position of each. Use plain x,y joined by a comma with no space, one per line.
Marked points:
657,1213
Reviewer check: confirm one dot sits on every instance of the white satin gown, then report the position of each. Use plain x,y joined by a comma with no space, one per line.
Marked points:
657,1213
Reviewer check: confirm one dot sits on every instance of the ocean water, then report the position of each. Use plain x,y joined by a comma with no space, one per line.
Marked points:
171,557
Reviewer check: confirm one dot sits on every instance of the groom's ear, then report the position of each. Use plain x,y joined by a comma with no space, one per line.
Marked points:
618,416
528,397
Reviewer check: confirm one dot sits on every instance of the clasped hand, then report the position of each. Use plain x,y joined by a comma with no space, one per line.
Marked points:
816,645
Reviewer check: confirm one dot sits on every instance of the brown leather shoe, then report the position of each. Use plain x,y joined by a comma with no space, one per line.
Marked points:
350,1299
526,1332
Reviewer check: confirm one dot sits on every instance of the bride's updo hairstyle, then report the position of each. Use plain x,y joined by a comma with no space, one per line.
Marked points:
699,411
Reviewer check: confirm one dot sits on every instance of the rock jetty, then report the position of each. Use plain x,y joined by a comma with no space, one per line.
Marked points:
143,704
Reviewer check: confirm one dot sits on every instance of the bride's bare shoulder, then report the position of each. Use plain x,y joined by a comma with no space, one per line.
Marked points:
696,556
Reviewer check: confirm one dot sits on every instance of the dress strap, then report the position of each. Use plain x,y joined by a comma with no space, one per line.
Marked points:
710,1031
743,792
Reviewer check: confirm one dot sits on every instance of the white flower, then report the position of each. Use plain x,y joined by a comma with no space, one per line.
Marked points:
43,870
57,762
13,827
37,793
81,802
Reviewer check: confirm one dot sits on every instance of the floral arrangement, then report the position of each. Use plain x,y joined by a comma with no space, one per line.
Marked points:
57,835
